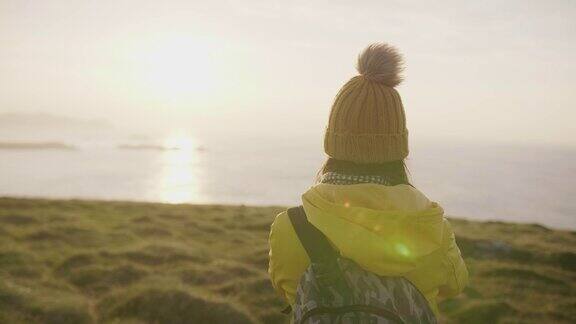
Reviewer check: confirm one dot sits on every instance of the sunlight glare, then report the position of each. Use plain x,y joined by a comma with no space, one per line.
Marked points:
180,178
175,67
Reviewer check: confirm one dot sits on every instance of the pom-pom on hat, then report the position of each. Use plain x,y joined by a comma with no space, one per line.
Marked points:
367,123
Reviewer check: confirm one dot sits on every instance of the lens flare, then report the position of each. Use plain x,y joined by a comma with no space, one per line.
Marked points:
402,249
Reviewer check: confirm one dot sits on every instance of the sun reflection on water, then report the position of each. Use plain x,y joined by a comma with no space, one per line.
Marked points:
179,180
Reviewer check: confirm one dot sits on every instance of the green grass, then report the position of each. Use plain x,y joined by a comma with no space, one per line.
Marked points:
119,262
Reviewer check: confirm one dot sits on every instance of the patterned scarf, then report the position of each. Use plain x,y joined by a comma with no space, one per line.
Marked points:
349,179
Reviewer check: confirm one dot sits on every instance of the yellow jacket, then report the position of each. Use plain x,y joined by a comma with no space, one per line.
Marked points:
388,230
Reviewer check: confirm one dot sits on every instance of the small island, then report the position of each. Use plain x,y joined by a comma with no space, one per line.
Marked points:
36,146
145,147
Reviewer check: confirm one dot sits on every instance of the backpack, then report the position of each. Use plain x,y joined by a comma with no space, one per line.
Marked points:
334,289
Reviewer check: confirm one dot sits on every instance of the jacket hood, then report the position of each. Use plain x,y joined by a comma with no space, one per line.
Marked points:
388,230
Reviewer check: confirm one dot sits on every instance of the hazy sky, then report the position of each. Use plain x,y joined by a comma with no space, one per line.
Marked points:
475,70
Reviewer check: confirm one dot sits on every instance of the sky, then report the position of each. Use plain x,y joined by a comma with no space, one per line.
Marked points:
488,71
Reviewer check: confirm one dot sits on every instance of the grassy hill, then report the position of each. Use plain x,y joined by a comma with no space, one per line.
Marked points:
119,262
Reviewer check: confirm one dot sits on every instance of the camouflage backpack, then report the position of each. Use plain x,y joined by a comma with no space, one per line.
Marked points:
336,290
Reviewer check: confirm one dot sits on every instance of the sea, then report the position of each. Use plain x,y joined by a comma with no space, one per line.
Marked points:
511,183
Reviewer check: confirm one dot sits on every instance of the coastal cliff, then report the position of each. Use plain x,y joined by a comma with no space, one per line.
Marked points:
75,261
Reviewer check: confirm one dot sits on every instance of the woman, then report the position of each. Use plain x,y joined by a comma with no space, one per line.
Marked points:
363,202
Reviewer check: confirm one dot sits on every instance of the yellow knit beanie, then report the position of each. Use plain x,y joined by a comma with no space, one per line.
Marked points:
367,123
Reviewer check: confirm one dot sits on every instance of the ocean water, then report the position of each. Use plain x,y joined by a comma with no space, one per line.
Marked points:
527,184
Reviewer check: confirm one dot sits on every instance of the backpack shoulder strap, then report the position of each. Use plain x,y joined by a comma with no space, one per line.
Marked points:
313,240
